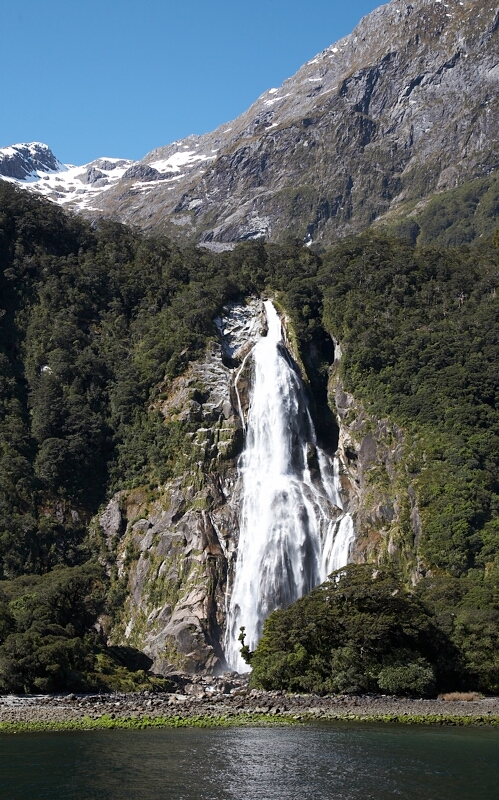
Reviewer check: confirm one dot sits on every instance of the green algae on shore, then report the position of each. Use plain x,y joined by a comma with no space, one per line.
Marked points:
107,722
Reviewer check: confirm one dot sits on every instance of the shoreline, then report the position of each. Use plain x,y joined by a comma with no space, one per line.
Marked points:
22,714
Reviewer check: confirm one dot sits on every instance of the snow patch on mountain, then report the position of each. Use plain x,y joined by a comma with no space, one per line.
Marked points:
178,160
34,166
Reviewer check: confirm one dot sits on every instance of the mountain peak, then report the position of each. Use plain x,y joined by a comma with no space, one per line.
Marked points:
24,161
34,166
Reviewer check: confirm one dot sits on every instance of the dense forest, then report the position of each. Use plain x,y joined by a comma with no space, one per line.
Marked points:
95,317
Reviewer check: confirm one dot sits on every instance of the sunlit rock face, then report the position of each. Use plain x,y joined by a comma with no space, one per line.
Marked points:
172,546
369,129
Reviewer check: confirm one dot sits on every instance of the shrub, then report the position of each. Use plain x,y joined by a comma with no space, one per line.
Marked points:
416,679
466,697
360,631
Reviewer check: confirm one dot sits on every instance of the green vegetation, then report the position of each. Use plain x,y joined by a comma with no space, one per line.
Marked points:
242,719
106,722
49,641
45,628
364,631
419,328
96,320
459,216
360,631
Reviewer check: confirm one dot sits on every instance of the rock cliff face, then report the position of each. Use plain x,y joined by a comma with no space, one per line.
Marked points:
376,483
368,130
402,108
171,550
23,161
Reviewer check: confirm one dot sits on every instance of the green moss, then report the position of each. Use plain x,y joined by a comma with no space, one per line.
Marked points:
162,589
105,722
134,723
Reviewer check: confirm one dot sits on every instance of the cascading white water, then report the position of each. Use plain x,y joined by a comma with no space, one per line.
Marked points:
292,532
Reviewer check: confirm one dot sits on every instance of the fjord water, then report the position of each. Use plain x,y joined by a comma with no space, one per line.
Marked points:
293,530
349,761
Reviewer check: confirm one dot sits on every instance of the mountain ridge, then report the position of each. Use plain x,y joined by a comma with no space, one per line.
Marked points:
399,110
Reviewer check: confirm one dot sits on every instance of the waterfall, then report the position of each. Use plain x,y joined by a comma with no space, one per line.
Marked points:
293,530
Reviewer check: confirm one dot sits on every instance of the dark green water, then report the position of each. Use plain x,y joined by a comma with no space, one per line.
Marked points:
334,762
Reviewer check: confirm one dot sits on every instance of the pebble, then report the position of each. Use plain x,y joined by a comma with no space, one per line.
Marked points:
212,697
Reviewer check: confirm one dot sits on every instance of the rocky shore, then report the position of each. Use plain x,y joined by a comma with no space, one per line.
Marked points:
228,700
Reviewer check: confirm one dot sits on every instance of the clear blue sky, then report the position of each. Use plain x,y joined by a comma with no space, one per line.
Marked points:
97,78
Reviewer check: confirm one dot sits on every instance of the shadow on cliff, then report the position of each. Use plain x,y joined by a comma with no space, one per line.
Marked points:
317,357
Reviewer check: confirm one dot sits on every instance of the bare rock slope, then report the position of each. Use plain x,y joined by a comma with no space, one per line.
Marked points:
370,128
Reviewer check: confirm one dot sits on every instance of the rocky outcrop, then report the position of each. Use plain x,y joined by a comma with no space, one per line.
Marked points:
23,161
376,482
172,547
